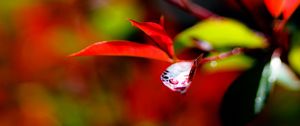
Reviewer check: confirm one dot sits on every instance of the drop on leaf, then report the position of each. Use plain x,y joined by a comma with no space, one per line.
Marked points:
178,76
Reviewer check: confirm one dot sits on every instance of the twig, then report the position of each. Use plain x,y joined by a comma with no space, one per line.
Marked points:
235,51
194,9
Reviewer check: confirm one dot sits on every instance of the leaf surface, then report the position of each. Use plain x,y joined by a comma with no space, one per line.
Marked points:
285,7
123,48
157,33
222,33
294,58
236,62
290,7
275,7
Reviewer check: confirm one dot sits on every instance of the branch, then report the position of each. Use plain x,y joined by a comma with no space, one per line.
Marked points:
192,8
224,55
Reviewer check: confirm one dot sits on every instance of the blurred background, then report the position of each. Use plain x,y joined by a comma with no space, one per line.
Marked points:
41,86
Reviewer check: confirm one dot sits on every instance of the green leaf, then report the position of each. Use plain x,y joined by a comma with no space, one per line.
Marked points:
247,95
222,32
294,58
264,88
270,74
237,62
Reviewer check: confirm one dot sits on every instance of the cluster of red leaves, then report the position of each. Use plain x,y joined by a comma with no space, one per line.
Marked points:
161,50
162,47
161,103
176,77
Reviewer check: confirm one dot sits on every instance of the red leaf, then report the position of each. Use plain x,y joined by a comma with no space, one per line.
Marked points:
275,7
158,34
290,7
123,48
285,7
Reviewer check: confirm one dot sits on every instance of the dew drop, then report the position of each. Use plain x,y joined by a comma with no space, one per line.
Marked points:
177,76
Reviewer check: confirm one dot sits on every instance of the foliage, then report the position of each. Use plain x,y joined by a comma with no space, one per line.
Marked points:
232,62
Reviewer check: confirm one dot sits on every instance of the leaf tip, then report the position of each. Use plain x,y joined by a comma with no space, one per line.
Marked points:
73,54
133,22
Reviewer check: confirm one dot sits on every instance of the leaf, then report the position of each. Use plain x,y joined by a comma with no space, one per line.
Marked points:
178,76
157,33
275,7
287,78
243,99
222,33
123,48
274,71
294,58
285,7
264,88
290,7
236,62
